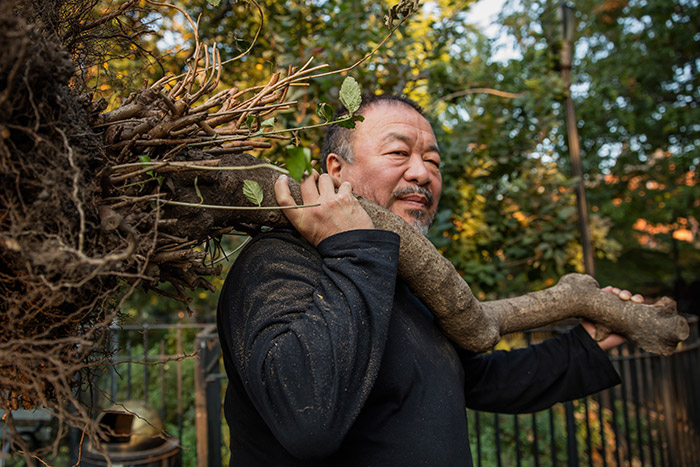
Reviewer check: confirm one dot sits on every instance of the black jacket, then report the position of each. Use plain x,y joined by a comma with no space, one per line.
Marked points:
333,361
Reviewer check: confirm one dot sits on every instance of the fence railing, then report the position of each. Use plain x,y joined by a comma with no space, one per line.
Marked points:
155,363
652,418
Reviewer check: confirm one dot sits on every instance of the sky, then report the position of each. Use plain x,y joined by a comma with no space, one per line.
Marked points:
483,14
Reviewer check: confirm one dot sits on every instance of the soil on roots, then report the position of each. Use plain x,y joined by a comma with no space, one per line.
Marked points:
56,283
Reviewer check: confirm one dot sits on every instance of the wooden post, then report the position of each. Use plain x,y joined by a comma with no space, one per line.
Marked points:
567,52
200,403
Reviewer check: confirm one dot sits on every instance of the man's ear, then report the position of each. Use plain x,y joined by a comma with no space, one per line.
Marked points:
335,165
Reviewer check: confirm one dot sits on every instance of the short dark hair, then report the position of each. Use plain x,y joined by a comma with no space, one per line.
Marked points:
338,139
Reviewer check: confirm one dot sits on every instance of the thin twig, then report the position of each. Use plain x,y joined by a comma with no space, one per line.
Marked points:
239,208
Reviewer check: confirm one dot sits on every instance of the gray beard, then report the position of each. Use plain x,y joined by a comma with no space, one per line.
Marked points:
420,221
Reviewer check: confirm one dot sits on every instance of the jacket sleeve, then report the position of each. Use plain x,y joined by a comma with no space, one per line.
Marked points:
308,331
560,369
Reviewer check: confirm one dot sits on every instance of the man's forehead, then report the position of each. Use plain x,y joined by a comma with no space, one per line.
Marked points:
375,110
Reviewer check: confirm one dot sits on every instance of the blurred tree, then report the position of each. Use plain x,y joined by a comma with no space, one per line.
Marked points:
636,91
508,219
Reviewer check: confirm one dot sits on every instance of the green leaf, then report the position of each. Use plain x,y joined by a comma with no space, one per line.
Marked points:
350,123
270,122
249,122
214,2
298,161
325,111
144,158
253,192
350,95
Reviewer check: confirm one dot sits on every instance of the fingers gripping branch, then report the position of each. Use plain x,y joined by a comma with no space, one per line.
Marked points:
333,211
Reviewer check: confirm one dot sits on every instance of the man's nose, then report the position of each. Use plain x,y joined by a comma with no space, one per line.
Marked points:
417,170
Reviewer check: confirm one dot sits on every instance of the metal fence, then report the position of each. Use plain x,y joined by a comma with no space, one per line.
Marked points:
652,418
158,364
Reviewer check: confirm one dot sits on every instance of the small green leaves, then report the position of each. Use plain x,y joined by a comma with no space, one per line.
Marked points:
249,122
269,123
214,2
325,111
350,123
150,173
350,95
298,161
253,192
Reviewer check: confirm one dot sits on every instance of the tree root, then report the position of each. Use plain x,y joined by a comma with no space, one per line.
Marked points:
469,323
479,326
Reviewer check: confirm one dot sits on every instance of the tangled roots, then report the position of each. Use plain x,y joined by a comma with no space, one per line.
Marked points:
58,271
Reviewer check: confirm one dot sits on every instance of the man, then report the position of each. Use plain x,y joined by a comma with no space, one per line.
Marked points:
332,360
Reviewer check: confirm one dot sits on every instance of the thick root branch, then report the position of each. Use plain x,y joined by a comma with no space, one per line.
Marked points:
469,323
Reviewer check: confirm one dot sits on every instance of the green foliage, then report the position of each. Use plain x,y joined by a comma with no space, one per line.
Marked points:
508,217
253,192
636,94
298,162
350,95
325,111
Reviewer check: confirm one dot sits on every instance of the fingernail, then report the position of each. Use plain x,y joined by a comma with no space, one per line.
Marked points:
625,295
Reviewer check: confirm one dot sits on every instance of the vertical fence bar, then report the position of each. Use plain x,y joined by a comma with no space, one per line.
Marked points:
200,402
657,387
162,379
678,448
589,443
601,423
497,430
128,369
180,353
571,446
686,443
145,360
625,403
652,420
535,441
669,411
516,434
114,349
614,422
635,404
213,400
552,438
477,425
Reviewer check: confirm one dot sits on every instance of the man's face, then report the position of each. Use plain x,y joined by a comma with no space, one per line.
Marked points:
396,163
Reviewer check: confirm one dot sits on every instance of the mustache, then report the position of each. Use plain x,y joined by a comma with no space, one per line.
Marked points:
409,190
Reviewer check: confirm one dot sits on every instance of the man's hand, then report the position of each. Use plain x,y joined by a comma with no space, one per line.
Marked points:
613,340
337,211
